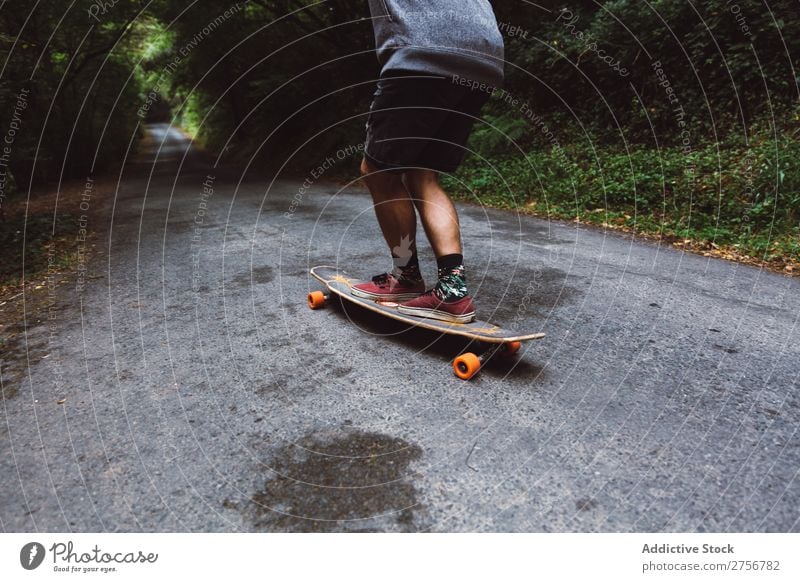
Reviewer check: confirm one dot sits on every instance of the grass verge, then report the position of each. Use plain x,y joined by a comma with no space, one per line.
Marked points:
734,202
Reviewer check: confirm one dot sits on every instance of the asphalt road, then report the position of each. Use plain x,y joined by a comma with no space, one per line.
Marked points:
187,387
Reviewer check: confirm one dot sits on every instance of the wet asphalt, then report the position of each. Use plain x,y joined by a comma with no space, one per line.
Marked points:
188,387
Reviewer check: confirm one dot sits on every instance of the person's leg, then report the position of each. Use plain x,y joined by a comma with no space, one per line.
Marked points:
436,210
450,299
440,220
398,222
407,110
394,210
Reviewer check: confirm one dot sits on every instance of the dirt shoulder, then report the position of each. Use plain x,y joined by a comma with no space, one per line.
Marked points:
48,239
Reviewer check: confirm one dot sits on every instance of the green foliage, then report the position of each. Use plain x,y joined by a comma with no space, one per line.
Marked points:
259,84
733,193
723,75
81,108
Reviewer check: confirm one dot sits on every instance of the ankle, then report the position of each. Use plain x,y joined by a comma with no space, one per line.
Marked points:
407,274
406,268
447,263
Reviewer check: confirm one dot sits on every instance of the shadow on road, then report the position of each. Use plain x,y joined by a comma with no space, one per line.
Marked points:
429,343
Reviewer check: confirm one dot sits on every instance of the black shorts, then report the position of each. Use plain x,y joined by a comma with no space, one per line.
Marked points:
420,122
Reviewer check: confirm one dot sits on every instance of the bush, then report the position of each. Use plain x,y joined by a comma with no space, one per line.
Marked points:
728,193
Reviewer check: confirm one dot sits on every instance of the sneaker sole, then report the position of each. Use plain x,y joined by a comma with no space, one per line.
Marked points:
435,314
399,297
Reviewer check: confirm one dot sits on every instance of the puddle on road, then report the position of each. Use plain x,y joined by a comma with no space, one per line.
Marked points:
336,480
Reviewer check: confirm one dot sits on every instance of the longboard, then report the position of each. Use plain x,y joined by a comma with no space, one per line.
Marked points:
502,341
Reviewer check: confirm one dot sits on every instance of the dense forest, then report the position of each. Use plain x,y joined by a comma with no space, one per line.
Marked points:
672,117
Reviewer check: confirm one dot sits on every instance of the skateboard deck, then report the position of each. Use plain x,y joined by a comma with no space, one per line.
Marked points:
504,341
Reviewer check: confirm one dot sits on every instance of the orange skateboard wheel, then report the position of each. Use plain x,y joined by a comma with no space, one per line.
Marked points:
511,348
316,299
466,365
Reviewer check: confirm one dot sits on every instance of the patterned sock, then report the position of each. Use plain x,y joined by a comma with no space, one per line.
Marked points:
452,284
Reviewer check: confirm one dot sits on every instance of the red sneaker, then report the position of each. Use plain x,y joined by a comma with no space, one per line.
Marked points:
431,306
387,287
